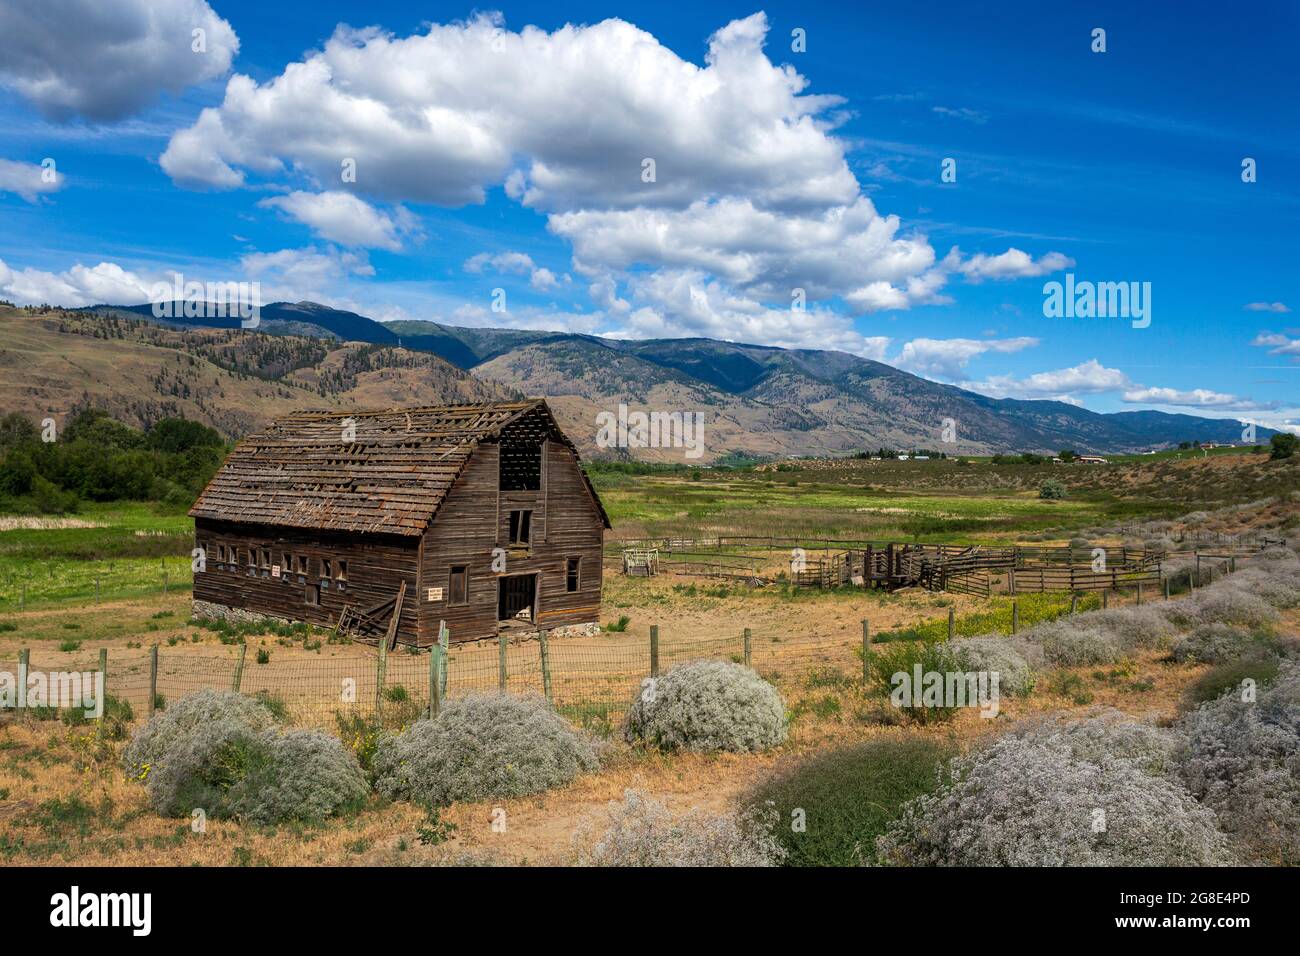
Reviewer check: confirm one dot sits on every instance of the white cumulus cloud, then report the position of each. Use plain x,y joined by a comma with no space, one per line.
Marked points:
106,61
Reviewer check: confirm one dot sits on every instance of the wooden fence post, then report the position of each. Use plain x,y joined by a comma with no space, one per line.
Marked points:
502,676
543,638
24,665
435,685
654,650
239,668
381,675
103,666
444,664
153,679
866,651
1139,596
1015,616
1105,598
1074,602
1166,589
952,622
749,655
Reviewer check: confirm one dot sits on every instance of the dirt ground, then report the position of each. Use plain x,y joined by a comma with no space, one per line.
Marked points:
64,799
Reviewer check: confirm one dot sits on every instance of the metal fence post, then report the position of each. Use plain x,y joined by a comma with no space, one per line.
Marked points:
654,650
501,662
153,679
239,668
543,639
749,655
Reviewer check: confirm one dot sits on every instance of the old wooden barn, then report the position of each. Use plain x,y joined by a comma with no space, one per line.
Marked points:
476,515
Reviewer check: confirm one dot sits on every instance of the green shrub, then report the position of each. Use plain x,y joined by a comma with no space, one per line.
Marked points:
1217,644
707,705
890,661
482,746
1262,668
831,807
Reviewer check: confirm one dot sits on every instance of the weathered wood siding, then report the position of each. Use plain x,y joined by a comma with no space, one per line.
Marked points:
474,519
376,566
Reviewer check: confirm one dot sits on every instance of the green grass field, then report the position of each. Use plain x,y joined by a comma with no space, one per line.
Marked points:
131,549
807,506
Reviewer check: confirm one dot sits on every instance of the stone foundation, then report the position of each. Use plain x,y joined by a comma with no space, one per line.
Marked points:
235,615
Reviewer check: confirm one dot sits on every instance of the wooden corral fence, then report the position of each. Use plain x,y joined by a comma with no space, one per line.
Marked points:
977,570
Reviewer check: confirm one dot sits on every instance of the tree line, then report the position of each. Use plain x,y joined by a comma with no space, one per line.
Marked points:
94,457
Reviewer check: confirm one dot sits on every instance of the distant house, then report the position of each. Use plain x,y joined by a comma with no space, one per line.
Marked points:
903,457
397,520
920,458
1092,460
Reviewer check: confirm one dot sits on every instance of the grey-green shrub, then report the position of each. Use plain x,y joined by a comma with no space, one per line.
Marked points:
1221,604
707,705
300,775
640,831
1056,797
1214,644
1133,628
1008,657
1242,759
168,728
1069,643
482,746
221,753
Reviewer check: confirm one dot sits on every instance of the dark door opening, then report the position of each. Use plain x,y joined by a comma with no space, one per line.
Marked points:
516,598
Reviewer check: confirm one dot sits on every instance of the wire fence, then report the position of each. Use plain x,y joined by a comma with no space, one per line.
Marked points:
590,680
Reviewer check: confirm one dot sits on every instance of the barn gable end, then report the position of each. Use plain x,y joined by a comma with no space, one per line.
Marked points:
333,510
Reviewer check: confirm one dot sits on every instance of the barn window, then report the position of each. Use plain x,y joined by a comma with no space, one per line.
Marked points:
286,564
252,562
572,573
311,594
342,571
302,564
458,585
520,526
521,467
266,558
326,570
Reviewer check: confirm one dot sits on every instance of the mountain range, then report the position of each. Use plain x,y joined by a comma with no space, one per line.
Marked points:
756,400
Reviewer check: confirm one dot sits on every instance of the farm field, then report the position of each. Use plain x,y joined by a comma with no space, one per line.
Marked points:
65,798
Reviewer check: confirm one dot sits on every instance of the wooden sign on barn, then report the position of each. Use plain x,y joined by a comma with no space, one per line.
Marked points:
476,515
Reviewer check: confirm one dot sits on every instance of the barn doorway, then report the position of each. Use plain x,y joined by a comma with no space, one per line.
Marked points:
517,599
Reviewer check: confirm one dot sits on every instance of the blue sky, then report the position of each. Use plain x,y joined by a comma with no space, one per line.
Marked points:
492,157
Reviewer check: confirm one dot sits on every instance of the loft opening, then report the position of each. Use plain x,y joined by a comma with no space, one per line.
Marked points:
521,467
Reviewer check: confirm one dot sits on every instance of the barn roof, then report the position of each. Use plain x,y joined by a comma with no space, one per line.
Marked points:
390,478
